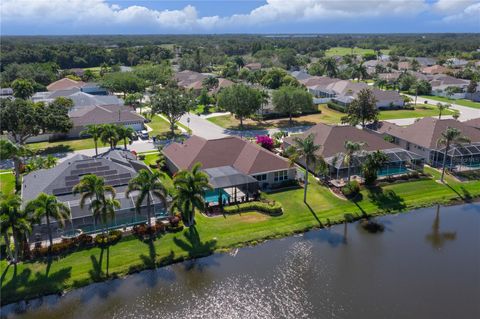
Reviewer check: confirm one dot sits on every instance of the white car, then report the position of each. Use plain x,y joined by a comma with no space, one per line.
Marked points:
143,134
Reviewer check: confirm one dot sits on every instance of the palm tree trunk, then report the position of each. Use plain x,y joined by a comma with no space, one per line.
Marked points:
125,143
306,183
148,210
16,165
348,172
95,141
15,243
49,232
241,122
444,161
7,243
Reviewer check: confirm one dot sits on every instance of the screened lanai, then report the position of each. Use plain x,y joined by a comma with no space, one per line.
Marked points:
460,157
399,162
229,186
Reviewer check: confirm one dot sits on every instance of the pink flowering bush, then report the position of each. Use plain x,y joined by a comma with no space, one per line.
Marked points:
265,141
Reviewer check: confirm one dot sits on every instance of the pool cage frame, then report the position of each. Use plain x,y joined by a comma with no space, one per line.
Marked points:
399,162
460,157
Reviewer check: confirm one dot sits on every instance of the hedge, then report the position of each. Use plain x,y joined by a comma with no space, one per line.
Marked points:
337,107
273,208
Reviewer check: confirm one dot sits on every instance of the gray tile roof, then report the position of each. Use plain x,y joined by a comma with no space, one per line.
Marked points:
105,114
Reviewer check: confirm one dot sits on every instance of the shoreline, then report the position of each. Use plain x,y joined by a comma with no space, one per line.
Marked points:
21,304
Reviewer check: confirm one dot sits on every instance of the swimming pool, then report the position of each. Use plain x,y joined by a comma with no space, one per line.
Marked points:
392,171
212,196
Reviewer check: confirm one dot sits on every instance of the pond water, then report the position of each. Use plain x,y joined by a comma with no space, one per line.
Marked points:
426,264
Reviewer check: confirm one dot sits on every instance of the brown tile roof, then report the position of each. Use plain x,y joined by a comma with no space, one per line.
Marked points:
253,66
435,69
244,156
186,77
65,84
105,114
426,131
474,122
332,139
316,81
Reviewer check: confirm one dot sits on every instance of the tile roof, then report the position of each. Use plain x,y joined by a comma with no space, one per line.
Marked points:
435,69
244,156
426,131
104,114
64,84
186,78
332,139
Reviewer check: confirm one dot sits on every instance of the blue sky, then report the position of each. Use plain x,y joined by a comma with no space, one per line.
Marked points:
237,16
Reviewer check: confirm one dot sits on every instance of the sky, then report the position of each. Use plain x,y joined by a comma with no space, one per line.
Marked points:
65,17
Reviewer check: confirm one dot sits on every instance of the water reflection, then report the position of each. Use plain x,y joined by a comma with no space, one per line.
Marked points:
436,237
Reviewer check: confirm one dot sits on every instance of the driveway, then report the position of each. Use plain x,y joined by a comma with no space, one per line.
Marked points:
466,113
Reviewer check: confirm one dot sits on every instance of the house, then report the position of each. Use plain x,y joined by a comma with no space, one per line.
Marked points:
435,69
300,75
253,66
6,93
94,89
457,63
441,82
104,114
424,61
389,77
117,167
222,83
404,66
231,154
473,123
332,139
77,71
422,138
186,78
80,99
65,84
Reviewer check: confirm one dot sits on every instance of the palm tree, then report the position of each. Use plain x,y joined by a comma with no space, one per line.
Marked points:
95,131
330,66
442,107
14,152
210,83
14,220
104,209
306,149
109,135
93,188
147,184
124,133
450,136
49,207
351,151
359,71
190,188
372,163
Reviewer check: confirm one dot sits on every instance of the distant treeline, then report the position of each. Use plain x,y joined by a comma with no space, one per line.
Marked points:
90,51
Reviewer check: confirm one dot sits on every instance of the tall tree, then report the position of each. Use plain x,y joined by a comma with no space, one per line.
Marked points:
210,83
125,82
48,207
147,185
22,89
472,86
291,100
306,149
93,188
240,100
330,66
125,133
372,163
190,186
450,136
441,108
109,135
95,132
135,100
23,119
351,151
173,103
13,222
362,109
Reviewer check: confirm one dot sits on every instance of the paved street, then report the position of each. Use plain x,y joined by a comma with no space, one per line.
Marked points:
466,113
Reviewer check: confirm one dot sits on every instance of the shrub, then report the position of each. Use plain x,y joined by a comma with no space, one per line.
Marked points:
272,208
337,107
83,240
351,189
141,157
265,141
108,239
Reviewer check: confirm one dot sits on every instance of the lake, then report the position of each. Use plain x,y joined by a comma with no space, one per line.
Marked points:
426,264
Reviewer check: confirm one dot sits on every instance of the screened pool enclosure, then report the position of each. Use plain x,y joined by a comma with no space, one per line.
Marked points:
459,158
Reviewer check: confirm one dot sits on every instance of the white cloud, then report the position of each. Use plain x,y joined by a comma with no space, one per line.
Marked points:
470,14
99,13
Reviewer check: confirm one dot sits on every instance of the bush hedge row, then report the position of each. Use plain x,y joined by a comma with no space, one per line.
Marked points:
272,208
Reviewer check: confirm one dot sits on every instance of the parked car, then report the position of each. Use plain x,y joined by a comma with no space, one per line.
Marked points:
143,134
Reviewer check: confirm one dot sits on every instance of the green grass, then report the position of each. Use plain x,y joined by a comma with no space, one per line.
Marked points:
341,51
421,110
7,182
161,127
462,102
223,232
64,146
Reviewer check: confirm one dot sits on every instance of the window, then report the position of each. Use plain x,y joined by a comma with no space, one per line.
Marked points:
280,176
261,177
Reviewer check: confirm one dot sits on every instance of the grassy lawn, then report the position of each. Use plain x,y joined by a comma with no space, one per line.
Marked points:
218,233
7,182
462,102
160,126
64,146
341,51
421,110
